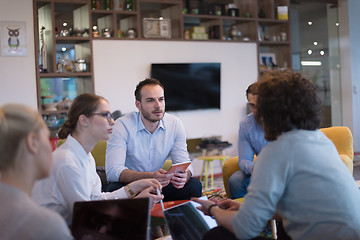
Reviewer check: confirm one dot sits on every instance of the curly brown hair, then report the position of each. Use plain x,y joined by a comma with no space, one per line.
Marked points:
286,101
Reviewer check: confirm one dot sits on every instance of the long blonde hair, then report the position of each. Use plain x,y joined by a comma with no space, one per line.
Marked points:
16,122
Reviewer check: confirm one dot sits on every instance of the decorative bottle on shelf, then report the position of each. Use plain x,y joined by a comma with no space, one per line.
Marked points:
129,5
59,66
94,4
107,4
43,50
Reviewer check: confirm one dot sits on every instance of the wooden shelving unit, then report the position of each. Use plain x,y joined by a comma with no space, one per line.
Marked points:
256,20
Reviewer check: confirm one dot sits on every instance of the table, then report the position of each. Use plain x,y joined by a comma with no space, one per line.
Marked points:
207,161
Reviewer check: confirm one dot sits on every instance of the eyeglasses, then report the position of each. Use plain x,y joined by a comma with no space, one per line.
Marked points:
106,115
252,105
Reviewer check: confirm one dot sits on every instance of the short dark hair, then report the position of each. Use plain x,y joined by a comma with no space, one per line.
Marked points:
252,89
286,101
147,81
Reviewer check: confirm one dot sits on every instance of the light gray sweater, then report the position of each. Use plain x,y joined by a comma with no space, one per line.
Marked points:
301,177
21,218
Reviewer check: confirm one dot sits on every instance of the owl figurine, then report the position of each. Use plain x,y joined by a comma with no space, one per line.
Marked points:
13,39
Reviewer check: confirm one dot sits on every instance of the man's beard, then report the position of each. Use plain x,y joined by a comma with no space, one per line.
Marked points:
147,116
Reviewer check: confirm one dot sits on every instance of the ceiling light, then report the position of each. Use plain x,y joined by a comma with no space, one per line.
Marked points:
315,43
309,23
161,18
63,49
337,24
310,63
322,53
309,51
65,24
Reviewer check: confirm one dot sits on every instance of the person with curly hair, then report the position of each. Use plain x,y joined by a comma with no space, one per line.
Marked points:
299,175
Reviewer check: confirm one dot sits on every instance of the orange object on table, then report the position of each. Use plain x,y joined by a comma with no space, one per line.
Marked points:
158,212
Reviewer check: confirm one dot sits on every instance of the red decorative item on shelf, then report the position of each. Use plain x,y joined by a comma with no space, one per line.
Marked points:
54,141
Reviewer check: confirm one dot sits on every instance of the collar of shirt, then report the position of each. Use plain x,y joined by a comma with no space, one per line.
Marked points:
141,126
78,149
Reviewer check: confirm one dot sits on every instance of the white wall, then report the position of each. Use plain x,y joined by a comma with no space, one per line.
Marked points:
17,74
120,65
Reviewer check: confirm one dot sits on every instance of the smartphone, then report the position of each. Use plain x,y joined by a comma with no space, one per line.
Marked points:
179,167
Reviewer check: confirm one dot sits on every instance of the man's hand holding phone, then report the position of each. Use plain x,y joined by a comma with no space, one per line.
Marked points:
179,179
163,177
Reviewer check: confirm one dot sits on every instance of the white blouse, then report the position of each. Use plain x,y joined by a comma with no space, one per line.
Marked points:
73,178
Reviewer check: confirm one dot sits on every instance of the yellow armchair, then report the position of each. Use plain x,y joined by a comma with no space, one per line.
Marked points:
230,166
343,141
99,154
340,136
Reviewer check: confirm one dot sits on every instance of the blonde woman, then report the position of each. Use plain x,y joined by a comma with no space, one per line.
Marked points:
73,176
25,156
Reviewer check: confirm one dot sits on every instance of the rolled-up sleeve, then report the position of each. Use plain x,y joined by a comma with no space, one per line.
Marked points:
116,152
179,151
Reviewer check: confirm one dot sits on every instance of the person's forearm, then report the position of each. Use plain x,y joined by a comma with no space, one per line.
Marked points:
128,176
246,165
223,217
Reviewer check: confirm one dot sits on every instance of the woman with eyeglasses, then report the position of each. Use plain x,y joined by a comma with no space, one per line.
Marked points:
73,175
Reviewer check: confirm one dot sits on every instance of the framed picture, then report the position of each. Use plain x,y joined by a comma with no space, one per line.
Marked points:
267,59
13,38
156,28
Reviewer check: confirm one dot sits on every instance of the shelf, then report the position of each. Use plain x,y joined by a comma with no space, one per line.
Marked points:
71,39
65,75
161,1
202,16
271,22
272,43
123,12
222,28
46,112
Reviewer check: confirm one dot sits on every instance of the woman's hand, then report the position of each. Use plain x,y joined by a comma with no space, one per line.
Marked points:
140,185
150,193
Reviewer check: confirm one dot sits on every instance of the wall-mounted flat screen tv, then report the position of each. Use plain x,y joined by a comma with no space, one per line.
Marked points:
189,86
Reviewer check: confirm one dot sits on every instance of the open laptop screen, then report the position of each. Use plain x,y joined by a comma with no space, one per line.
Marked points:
111,219
186,222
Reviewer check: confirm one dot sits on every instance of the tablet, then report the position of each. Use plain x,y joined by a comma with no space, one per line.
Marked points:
185,221
179,167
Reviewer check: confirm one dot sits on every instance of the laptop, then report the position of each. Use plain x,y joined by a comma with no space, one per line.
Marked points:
186,222
112,219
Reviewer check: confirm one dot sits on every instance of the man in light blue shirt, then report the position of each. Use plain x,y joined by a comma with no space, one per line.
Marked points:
141,142
251,141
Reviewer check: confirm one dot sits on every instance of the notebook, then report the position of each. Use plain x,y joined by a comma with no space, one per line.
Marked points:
186,222
112,219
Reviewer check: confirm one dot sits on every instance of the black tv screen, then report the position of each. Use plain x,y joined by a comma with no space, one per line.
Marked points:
189,86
